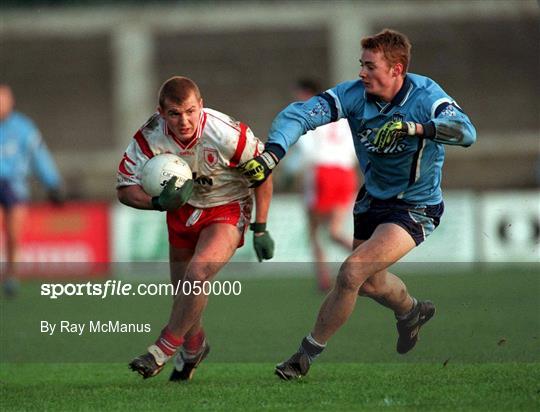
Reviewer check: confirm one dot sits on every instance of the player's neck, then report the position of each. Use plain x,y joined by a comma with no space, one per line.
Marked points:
187,140
391,92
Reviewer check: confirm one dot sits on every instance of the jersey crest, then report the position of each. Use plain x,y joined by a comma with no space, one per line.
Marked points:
210,156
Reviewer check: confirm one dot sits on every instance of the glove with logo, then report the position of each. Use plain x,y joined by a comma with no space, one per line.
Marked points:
262,242
172,198
393,131
259,168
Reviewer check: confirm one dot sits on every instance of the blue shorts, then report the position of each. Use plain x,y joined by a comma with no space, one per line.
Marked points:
418,220
8,198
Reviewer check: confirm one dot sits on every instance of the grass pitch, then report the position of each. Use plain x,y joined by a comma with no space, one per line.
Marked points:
481,351
247,387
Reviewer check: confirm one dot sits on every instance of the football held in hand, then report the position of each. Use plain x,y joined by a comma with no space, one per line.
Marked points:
160,169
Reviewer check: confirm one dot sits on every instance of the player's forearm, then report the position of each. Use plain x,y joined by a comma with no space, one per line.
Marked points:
263,197
45,168
296,120
284,132
457,132
134,196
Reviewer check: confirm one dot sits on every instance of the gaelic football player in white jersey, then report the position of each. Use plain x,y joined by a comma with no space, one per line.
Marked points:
330,181
206,218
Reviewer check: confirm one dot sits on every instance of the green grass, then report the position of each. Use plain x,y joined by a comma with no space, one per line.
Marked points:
247,387
480,352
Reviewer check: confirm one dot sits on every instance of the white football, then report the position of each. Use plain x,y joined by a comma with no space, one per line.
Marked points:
160,169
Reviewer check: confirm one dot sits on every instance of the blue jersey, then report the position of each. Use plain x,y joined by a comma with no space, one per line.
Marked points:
22,152
411,168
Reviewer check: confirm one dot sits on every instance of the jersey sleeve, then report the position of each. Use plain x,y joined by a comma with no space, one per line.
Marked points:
42,162
247,146
136,155
300,117
448,123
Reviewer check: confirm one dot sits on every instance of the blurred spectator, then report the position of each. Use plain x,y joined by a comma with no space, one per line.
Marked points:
23,152
327,159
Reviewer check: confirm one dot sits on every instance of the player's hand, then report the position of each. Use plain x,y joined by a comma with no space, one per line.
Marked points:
259,168
392,131
56,196
264,245
262,241
171,197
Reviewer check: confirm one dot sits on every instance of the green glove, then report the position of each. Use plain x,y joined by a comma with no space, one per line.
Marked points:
262,242
172,198
392,131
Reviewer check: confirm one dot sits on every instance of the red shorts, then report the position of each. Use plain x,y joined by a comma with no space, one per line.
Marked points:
331,187
185,224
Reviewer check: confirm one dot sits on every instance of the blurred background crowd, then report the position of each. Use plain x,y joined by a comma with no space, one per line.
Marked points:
87,73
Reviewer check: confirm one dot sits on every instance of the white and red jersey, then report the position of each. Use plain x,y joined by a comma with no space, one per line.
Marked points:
329,145
219,145
327,158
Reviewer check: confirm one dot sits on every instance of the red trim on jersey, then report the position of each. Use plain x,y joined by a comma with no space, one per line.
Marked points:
223,121
198,132
202,124
170,133
143,144
122,166
241,145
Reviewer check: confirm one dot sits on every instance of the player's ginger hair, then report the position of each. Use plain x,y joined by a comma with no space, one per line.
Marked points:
178,89
394,45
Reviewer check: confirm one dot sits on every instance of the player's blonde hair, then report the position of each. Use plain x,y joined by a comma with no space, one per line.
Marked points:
178,89
394,45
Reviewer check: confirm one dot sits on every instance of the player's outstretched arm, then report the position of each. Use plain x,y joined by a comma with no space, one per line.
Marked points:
262,241
287,127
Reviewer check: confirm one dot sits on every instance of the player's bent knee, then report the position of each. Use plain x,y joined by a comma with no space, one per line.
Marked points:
373,288
368,289
346,280
200,273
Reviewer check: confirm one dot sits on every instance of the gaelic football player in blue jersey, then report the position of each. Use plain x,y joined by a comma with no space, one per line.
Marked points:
22,153
400,123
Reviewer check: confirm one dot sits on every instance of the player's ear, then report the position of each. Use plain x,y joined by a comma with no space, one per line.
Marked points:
397,70
160,110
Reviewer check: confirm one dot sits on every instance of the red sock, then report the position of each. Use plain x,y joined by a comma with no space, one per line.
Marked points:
168,343
194,343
